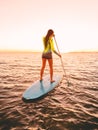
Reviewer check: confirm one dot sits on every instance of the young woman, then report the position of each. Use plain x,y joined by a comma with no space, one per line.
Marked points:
47,54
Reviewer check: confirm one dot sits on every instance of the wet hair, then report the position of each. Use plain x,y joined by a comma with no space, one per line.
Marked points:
49,33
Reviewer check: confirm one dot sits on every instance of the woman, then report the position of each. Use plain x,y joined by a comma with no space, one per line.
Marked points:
47,54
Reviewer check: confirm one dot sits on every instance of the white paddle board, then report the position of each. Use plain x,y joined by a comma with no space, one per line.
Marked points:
40,88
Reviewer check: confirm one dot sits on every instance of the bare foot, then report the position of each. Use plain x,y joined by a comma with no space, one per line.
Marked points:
52,81
41,80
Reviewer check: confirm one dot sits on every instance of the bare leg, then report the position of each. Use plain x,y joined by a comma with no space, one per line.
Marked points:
43,67
50,61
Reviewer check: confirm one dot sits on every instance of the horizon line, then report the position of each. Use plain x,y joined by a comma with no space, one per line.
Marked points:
30,51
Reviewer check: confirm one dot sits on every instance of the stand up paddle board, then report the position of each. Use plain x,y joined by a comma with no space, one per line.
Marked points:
40,88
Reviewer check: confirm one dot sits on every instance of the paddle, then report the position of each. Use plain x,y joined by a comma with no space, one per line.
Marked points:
68,83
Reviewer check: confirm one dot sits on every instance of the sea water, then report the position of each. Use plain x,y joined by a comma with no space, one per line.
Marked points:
67,107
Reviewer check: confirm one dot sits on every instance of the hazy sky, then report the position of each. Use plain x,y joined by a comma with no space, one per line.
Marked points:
23,23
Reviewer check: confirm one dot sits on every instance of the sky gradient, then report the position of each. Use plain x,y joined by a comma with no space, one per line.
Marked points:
23,23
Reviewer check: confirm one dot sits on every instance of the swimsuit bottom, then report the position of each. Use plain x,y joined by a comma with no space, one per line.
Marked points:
47,55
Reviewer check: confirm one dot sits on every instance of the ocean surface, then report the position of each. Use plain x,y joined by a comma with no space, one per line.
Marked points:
72,106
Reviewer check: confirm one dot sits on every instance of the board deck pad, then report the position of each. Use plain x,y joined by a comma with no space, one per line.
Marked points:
38,89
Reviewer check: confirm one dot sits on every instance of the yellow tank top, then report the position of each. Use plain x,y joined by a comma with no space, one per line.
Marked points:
50,46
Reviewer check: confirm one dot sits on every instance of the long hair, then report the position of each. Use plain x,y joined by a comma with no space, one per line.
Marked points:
49,33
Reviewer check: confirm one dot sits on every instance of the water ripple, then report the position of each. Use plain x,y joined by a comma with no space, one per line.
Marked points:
73,107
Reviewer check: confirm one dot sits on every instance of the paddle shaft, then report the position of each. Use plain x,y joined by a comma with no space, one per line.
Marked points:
61,60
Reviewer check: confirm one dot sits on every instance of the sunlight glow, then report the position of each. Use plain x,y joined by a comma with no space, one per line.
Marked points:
23,24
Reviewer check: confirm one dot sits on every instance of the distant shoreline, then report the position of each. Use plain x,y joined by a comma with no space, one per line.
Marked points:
16,51
20,51
84,52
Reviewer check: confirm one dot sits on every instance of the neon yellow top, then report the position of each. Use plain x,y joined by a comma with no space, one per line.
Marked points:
50,46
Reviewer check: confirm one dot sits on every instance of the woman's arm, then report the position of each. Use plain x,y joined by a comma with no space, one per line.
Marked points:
53,49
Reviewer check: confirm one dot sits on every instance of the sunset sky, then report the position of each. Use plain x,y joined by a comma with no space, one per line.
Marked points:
23,23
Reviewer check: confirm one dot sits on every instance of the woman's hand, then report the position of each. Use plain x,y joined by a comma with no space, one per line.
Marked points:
59,55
